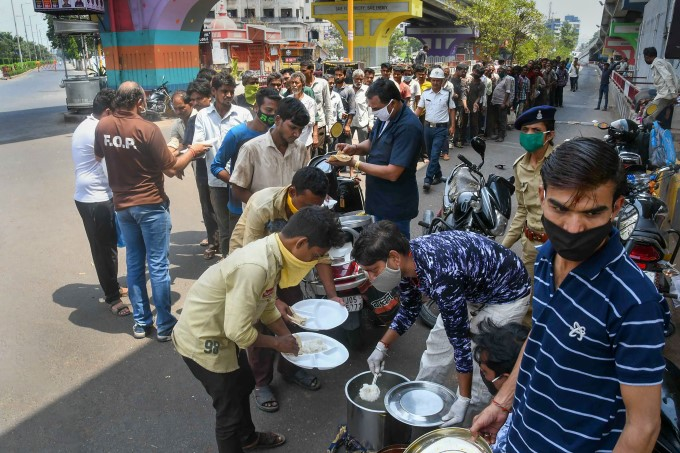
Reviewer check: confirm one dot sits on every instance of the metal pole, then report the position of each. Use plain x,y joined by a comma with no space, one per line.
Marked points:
16,30
350,30
23,17
30,26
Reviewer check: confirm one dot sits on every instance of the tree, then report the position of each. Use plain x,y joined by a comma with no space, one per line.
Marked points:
398,45
71,46
333,42
508,24
568,38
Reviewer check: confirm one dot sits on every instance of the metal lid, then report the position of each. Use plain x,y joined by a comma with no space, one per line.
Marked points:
419,403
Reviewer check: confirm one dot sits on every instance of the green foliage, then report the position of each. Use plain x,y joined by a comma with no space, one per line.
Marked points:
398,45
71,45
568,39
333,43
9,51
508,24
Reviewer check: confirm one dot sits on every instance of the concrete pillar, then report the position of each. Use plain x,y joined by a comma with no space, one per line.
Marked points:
374,23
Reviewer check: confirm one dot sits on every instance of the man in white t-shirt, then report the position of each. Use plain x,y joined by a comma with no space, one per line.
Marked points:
212,125
94,201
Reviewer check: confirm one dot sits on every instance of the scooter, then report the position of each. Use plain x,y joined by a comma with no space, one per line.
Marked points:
473,203
645,230
629,139
159,100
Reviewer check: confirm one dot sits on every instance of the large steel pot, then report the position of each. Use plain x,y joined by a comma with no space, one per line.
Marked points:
368,422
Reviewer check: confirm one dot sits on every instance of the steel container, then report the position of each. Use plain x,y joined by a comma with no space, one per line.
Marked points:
369,423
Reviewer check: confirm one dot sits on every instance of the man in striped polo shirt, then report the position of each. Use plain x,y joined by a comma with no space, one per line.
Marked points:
590,374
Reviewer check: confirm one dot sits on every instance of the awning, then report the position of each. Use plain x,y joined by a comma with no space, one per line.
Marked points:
276,41
233,40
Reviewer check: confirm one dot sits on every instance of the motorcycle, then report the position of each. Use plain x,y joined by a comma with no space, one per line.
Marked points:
645,230
472,203
629,139
351,282
158,101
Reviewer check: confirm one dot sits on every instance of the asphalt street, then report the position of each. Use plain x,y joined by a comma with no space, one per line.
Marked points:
72,377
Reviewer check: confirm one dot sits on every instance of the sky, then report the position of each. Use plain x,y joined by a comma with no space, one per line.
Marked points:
7,23
589,11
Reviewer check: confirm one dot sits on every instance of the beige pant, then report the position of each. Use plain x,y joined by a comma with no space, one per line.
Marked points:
529,253
437,363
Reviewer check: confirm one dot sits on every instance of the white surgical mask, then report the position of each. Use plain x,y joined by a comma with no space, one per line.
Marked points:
383,114
387,280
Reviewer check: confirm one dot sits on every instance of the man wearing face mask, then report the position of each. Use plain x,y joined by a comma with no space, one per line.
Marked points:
217,322
440,112
470,277
251,84
537,131
496,352
137,157
266,103
391,156
589,377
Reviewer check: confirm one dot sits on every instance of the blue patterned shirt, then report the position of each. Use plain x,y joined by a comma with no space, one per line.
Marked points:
455,268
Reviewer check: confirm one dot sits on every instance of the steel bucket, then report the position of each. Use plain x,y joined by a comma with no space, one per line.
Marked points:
368,422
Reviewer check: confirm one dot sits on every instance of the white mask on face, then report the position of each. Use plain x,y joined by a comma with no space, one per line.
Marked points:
383,114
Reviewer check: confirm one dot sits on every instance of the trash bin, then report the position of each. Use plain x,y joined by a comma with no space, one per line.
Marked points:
81,90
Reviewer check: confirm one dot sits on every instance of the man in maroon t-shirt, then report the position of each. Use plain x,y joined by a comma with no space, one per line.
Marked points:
136,160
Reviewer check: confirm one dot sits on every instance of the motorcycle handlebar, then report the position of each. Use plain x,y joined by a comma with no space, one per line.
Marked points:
466,161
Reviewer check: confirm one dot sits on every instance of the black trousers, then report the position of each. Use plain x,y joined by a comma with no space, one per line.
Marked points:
209,219
100,226
461,127
230,393
559,96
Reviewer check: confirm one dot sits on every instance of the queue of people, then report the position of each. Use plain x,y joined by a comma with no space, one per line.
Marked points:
597,323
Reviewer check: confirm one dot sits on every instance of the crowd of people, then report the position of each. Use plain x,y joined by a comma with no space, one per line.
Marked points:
249,146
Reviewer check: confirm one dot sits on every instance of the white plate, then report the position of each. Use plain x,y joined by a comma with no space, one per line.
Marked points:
322,314
334,356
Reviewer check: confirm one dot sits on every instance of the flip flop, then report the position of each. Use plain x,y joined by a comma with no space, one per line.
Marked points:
204,243
121,311
123,292
266,440
304,379
265,399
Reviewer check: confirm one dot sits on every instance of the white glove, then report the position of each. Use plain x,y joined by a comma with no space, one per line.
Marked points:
376,361
457,412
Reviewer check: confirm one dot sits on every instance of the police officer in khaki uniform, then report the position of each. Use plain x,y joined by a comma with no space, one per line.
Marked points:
537,130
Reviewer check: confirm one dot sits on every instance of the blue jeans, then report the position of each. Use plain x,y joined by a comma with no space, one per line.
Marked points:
435,141
403,225
604,90
146,230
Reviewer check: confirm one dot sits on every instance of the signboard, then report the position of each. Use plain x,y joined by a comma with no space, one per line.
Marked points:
325,9
205,37
69,6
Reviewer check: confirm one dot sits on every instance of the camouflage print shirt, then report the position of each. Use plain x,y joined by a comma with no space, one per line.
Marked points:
456,268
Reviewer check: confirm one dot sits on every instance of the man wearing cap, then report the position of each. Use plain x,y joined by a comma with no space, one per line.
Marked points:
440,111
537,131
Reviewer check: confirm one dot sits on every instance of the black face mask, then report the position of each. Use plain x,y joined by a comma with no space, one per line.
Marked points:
267,119
575,246
489,385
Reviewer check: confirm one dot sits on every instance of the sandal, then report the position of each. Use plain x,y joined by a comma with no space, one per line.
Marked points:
123,292
204,243
209,253
304,379
122,310
265,399
266,440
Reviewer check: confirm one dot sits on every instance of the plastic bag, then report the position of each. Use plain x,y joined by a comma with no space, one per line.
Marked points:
661,147
512,117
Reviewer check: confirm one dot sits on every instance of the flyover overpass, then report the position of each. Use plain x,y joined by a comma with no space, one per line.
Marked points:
430,21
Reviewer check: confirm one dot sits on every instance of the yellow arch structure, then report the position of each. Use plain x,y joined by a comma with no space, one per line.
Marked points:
374,23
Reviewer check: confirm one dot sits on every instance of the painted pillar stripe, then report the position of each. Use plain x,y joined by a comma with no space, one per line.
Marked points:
151,37
152,57
150,79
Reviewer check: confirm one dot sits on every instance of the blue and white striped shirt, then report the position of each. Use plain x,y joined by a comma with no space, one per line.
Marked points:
455,268
603,327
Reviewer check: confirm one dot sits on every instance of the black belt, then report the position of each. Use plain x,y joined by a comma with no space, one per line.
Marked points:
428,124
